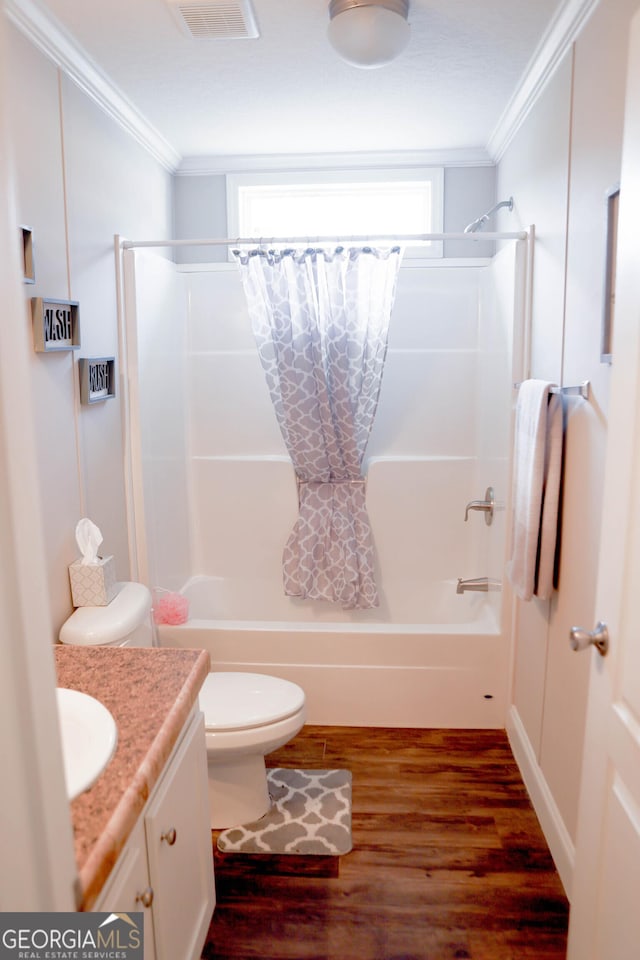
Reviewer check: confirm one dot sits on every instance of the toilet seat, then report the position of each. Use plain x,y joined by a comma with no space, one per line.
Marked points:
244,701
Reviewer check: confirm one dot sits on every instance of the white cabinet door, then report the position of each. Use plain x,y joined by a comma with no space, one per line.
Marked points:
128,888
605,919
178,831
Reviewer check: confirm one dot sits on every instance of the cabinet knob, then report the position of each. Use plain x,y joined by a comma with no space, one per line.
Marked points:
170,836
146,897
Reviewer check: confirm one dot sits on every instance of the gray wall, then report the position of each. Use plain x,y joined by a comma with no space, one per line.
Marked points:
200,210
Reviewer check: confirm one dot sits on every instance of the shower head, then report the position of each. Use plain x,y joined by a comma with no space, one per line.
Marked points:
478,224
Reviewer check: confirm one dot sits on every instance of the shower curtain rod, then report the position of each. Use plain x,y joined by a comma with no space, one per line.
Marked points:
409,240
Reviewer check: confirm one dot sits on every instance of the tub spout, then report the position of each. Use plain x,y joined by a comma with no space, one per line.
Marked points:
480,584
487,506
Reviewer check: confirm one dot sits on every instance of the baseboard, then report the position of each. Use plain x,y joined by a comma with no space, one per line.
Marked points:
555,832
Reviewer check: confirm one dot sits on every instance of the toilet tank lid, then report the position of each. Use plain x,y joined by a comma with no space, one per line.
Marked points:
91,626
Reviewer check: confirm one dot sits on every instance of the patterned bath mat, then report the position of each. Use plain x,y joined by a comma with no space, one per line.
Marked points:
310,814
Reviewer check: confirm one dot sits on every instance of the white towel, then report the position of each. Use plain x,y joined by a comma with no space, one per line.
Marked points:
538,464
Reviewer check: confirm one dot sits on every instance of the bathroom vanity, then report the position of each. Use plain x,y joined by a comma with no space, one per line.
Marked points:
142,833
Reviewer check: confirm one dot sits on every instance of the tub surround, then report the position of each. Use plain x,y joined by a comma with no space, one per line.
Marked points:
150,693
427,656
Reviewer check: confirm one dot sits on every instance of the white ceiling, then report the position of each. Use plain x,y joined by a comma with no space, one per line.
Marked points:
287,92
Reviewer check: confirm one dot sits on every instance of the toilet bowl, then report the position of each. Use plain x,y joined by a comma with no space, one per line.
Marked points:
247,715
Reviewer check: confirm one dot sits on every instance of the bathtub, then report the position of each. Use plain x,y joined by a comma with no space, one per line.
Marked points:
360,668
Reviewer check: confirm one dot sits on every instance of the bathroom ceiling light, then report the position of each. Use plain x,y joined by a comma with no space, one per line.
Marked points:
368,33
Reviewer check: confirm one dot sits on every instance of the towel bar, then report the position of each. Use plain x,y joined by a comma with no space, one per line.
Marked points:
582,390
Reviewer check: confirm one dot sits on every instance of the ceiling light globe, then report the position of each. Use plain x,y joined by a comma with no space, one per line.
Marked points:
368,35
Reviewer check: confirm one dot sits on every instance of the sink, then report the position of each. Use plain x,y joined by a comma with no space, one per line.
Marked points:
89,737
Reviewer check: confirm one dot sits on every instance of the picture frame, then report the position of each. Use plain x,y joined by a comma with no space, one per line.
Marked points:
28,263
612,201
97,379
56,324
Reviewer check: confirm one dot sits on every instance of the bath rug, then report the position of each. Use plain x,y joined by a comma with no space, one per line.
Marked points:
310,814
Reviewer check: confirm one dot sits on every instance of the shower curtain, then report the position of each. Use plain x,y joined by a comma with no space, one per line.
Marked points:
321,319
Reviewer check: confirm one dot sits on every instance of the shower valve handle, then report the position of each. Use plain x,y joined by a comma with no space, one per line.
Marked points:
487,505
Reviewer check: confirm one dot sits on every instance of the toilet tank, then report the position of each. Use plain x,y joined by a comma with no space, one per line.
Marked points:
125,622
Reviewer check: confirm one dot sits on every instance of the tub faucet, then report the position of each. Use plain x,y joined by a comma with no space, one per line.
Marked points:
481,584
487,505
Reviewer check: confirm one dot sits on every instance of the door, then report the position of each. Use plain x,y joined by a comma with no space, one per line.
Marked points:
605,914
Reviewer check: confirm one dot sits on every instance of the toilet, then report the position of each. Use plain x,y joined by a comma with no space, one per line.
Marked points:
246,715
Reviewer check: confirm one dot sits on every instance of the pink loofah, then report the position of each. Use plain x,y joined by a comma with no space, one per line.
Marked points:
171,608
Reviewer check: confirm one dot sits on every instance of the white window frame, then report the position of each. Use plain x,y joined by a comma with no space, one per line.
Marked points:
432,175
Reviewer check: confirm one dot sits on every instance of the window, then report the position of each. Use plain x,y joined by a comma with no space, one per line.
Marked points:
338,204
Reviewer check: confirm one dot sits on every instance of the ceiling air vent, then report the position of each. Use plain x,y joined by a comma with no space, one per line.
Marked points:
216,19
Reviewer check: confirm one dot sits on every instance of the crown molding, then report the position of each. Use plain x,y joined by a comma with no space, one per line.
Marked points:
48,36
561,33
216,165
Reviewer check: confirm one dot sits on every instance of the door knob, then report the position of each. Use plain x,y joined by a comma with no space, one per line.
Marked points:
581,639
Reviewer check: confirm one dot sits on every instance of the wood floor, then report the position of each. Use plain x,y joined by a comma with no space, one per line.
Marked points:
448,860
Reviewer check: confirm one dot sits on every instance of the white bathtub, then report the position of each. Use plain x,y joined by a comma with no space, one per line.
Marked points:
360,668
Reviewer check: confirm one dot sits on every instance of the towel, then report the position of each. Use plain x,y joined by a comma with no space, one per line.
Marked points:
538,467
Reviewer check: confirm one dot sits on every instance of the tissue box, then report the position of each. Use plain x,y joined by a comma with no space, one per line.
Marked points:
93,584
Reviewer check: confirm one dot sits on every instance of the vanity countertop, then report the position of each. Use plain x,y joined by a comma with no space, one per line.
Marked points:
150,693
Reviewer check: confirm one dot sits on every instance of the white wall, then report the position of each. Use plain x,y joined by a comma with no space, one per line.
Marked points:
37,870
596,148
535,172
558,167
80,179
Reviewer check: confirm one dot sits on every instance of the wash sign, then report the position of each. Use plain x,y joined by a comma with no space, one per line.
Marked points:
71,936
56,324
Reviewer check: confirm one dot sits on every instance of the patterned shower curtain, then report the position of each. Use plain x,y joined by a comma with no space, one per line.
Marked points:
321,321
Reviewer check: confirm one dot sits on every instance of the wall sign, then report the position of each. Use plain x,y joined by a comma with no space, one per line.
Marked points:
97,378
56,324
